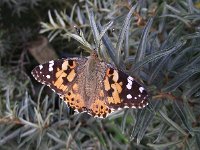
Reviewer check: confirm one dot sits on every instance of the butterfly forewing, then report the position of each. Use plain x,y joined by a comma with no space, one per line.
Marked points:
59,74
123,90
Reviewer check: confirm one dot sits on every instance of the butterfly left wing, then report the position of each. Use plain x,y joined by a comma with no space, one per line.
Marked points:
61,75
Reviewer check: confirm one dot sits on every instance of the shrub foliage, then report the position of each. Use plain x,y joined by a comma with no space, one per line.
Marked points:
154,41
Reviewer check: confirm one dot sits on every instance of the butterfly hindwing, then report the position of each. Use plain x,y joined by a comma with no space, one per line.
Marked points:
99,107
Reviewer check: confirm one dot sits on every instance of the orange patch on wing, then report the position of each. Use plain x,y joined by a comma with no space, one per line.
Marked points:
115,94
74,100
118,87
75,87
65,65
110,100
59,81
106,84
58,73
107,72
115,76
63,87
71,76
99,108
101,93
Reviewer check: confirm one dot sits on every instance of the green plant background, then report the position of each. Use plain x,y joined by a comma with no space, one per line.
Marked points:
157,42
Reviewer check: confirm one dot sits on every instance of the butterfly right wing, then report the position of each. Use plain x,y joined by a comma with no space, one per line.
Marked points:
117,90
123,91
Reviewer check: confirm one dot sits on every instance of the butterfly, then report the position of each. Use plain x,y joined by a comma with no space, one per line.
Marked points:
91,85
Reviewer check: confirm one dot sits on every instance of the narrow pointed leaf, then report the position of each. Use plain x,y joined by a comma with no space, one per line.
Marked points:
108,44
157,55
143,43
51,20
103,31
179,109
193,89
123,31
172,123
180,79
59,18
166,145
94,27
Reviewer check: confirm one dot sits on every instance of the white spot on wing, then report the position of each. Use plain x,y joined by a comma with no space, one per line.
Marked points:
129,96
40,66
141,89
76,110
129,81
126,107
89,114
51,69
48,76
51,63
133,106
129,86
112,110
131,78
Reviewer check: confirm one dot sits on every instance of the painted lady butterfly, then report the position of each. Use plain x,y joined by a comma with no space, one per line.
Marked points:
91,85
